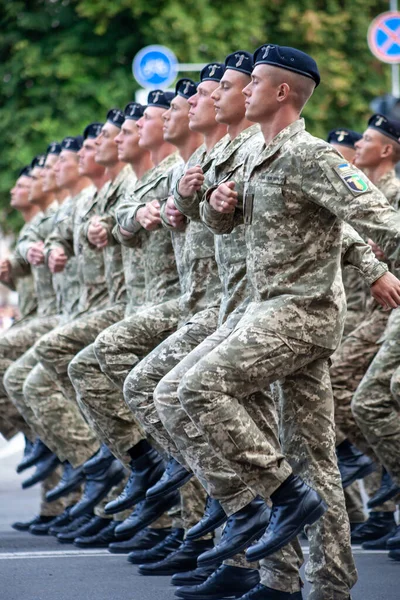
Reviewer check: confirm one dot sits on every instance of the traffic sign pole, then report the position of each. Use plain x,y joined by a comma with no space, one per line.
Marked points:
395,67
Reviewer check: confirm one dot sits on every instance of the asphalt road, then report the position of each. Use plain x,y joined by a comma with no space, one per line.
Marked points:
39,568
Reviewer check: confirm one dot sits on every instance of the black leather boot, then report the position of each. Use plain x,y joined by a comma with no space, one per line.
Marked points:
174,477
44,467
28,451
389,489
25,525
352,463
214,516
146,512
151,555
101,460
261,592
101,539
225,582
89,527
145,539
74,526
377,525
146,471
70,480
97,486
295,505
179,561
244,526
195,577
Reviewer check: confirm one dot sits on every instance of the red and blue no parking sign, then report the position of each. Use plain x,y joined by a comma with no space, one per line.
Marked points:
384,37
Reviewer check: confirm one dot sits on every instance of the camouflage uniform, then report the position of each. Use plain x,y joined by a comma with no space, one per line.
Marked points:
93,369
292,325
72,439
16,373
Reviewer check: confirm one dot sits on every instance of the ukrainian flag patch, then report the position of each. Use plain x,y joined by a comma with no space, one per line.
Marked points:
353,179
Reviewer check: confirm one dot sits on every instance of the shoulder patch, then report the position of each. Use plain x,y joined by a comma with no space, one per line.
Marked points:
352,178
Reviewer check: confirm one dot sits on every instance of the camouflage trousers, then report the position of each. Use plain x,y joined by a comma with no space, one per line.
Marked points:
190,447
376,403
13,343
98,373
217,394
349,365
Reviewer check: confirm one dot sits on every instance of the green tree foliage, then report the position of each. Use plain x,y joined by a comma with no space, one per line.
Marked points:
64,63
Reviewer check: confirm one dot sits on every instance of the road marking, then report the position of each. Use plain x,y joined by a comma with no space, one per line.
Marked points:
53,554
92,553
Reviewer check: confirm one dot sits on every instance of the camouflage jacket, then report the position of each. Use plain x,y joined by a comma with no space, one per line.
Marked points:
22,281
40,227
161,278
230,248
194,246
298,191
80,286
114,269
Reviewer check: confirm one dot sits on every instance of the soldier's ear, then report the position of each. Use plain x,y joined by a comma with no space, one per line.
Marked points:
387,151
283,92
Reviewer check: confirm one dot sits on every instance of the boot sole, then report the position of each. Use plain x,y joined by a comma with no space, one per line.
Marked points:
171,488
208,529
311,518
360,474
118,477
220,596
166,572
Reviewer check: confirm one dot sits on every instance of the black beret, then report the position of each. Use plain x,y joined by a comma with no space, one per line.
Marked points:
185,88
38,161
240,61
25,171
74,144
287,58
115,117
212,72
54,148
388,127
160,99
92,131
134,111
343,137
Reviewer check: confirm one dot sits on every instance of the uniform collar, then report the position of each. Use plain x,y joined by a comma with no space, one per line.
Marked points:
237,142
280,139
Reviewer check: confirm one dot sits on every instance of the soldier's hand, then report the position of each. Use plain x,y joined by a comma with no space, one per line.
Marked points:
386,291
97,233
149,215
380,255
224,199
5,270
174,216
191,182
35,254
57,260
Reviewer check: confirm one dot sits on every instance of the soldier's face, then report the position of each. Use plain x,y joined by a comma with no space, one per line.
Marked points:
151,128
20,193
260,94
345,151
228,97
106,148
87,164
176,121
128,141
36,189
66,169
202,111
48,175
370,150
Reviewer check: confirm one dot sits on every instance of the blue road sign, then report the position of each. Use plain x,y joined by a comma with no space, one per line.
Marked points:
155,66
384,37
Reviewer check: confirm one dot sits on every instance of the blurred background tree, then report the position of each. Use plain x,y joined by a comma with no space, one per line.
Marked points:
64,63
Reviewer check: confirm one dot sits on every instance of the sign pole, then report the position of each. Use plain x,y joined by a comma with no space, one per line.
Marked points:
395,67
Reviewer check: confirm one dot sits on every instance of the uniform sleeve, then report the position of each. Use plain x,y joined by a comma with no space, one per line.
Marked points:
347,193
62,234
358,254
126,215
30,236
